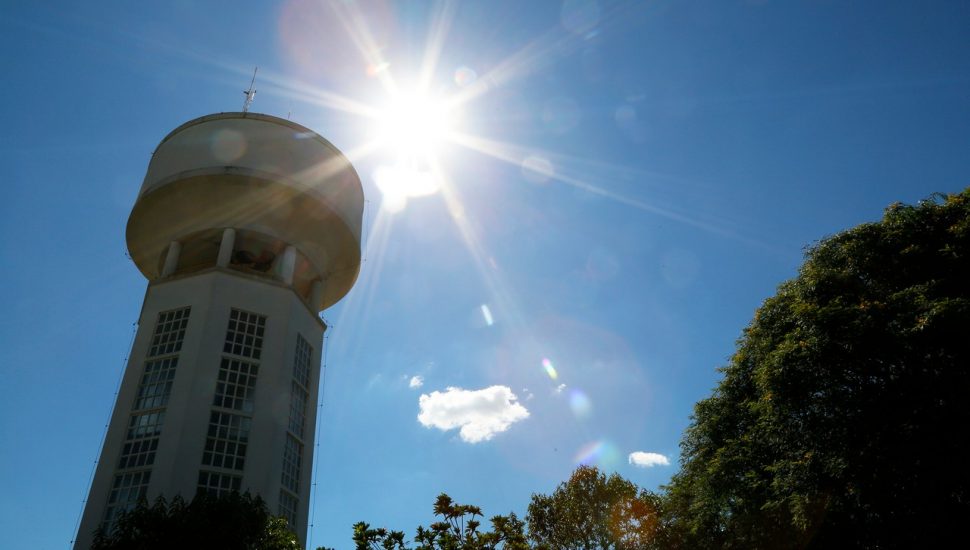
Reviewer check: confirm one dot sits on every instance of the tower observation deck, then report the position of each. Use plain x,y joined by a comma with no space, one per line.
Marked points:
246,227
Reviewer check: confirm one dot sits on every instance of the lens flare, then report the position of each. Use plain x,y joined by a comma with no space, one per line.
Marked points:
487,315
465,76
400,183
579,403
537,169
550,369
228,145
597,453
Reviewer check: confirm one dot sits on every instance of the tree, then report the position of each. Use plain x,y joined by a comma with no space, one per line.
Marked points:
593,511
457,530
842,419
229,522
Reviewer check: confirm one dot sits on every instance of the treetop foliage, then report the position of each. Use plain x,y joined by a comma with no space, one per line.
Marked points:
593,510
232,522
842,417
457,529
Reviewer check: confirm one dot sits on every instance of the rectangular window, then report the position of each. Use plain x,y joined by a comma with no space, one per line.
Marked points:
141,440
301,365
156,383
292,457
145,425
298,398
225,447
218,485
244,337
126,491
169,332
136,454
288,505
299,389
234,389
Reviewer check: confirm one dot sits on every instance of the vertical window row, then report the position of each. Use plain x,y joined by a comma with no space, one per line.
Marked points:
298,397
292,457
293,451
147,414
230,420
288,504
300,387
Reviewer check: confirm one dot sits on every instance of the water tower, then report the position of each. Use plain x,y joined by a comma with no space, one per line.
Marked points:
246,227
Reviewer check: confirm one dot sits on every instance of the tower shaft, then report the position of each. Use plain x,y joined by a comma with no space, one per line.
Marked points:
219,395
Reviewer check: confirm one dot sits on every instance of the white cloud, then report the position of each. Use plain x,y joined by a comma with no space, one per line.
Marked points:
560,388
416,382
647,460
479,413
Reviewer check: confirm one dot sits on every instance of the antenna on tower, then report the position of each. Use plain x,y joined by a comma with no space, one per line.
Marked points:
250,93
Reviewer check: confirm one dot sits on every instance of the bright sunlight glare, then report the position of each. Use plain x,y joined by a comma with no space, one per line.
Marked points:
400,182
414,125
411,129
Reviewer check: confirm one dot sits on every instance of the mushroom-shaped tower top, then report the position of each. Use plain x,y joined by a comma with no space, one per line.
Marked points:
287,194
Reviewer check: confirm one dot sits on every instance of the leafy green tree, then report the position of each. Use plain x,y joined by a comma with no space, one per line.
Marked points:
842,419
457,530
593,511
230,522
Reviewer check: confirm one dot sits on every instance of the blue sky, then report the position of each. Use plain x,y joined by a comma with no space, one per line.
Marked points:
621,186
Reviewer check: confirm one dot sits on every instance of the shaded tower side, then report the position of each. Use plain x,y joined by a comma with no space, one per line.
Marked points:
219,395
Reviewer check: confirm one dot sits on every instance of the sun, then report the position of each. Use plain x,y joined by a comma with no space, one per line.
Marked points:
413,126
412,129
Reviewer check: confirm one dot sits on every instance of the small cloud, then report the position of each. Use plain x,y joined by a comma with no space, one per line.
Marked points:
416,382
480,414
527,393
374,380
560,388
648,460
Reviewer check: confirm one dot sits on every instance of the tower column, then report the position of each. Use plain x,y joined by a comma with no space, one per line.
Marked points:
288,264
171,258
225,247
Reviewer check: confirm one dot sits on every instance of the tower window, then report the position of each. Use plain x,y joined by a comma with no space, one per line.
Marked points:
138,453
298,398
292,457
225,447
301,364
236,384
244,336
145,425
142,440
156,383
218,485
169,332
126,491
288,504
